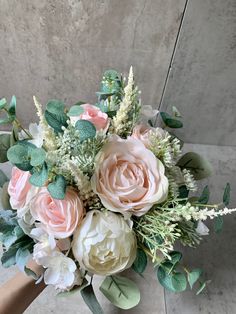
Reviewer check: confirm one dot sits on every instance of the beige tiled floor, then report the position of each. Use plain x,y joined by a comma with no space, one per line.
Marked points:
216,255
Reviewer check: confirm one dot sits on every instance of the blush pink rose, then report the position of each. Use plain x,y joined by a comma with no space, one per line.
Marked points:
58,217
93,114
142,132
19,188
128,177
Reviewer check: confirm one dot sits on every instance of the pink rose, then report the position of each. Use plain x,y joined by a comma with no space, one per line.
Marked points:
19,188
128,177
93,114
58,217
142,132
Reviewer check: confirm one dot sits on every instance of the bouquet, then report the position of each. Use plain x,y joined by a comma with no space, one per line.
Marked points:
97,189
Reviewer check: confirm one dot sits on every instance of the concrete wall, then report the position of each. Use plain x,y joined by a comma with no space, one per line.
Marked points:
203,77
59,49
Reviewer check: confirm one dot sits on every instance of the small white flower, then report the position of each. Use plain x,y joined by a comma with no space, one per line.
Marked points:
60,270
202,229
36,131
45,246
147,112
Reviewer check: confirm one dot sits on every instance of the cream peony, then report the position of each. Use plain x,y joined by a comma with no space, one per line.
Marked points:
104,243
57,217
128,178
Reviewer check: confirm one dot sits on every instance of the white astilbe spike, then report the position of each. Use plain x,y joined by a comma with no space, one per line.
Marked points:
205,213
48,134
120,120
82,181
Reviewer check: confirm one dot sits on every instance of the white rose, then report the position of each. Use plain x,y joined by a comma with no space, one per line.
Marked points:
104,243
60,270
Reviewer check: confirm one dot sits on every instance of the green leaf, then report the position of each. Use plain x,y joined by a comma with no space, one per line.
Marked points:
176,112
140,262
20,155
86,129
39,177
202,287
57,189
14,134
3,103
193,276
218,224
171,122
3,178
90,299
37,157
29,272
226,196
199,167
204,198
12,107
183,191
75,110
9,257
120,291
175,282
22,257
4,146
55,115
175,257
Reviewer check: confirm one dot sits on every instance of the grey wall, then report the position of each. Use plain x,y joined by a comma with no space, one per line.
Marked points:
59,49
202,83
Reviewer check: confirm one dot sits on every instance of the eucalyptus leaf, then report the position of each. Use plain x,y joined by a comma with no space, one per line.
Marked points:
193,276
204,198
9,257
75,110
120,291
39,176
175,257
140,262
57,188
12,107
20,155
30,272
5,198
4,146
90,299
218,224
171,122
175,282
37,157
199,167
55,115
226,196
14,134
3,103
86,129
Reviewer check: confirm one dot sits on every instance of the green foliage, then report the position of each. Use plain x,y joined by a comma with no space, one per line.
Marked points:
12,107
14,134
20,155
110,85
140,262
86,129
204,198
176,112
4,146
55,115
22,257
16,244
5,199
39,176
193,276
57,188
183,191
3,103
37,157
120,291
172,281
30,272
218,224
75,110
199,167
3,178
226,196
90,299
171,122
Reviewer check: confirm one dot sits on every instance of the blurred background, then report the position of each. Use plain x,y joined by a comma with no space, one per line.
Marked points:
184,55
